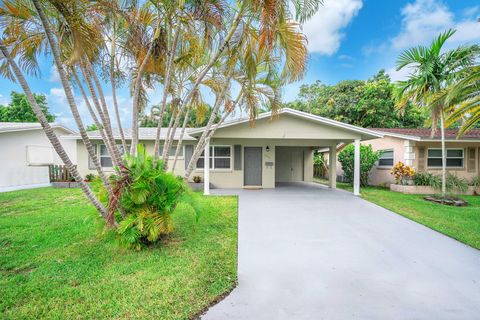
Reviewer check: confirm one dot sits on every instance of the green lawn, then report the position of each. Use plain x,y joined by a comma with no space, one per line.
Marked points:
56,264
461,223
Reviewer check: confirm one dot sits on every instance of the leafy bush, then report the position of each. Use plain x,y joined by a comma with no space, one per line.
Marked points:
475,182
368,158
402,173
455,183
197,179
427,179
90,177
148,196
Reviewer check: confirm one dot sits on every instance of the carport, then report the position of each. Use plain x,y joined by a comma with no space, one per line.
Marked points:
276,149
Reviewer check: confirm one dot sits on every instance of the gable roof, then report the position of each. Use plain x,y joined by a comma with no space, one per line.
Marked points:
366,133
419,134
24,126
143,134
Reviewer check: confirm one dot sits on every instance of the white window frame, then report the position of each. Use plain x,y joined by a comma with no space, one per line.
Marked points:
172,156
100,156
212,156
440,157
393,158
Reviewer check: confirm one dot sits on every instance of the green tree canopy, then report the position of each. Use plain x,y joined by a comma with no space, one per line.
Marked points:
19,110
369,104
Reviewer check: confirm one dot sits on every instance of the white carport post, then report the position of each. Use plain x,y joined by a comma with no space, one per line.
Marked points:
332,165
206,169
356,168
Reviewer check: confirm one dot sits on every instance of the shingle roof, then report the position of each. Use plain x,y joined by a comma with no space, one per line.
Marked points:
143,134
426,133
22,126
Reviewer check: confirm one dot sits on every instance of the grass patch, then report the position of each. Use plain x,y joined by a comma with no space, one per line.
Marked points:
55,262
461,223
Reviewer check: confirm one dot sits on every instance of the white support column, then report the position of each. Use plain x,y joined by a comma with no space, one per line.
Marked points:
356,168
206,169
332,167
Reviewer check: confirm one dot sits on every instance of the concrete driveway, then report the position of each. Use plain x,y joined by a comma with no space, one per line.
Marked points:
308,252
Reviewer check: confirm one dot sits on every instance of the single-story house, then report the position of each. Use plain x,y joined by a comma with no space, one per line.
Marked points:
26,154
242,156
419,149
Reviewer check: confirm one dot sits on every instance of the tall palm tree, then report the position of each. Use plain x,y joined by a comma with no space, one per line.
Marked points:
463,99
52,137
432,71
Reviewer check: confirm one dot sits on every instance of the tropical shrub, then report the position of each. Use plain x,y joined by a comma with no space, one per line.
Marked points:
368,158
427,179
90,177
402,173
455,183
475,182
148,196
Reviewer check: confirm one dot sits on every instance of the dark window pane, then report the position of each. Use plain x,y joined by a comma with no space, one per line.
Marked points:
386,154
434,162
222,163
103,150
106,162
435,153
457,153
454,162
201,161
385,162
222,151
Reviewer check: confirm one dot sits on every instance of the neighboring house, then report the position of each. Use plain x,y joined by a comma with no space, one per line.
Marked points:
26,154
417,148
242,155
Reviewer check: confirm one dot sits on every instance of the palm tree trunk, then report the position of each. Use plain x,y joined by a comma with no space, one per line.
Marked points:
114,89
52,137
102,175
166,87
109,140
136,93
444,154
180,139
66,86
203,137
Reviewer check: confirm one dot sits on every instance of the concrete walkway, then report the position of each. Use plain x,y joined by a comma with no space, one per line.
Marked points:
308,252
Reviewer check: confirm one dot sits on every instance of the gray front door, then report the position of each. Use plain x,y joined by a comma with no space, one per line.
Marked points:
252,174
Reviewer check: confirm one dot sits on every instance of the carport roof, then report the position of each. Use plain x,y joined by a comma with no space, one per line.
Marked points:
365,133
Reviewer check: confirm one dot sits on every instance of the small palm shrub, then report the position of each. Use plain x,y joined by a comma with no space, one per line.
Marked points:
475,182
368,158
455,183
427,179
402,173
148,196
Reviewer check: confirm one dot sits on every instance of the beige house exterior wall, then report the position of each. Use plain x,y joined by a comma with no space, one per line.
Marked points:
381,175
226,178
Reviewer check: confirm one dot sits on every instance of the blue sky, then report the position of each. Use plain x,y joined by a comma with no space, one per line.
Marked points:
348,39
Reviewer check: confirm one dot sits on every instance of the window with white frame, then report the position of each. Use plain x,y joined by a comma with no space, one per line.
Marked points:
454,158
386,158
220,158
105,159
173,150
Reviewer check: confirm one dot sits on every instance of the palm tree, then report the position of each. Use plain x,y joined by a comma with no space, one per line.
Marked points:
463,99
52,137
432,71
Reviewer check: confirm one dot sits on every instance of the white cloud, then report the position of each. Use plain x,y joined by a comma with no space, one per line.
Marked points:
324,29
4,100
422,20
398,75
54,76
